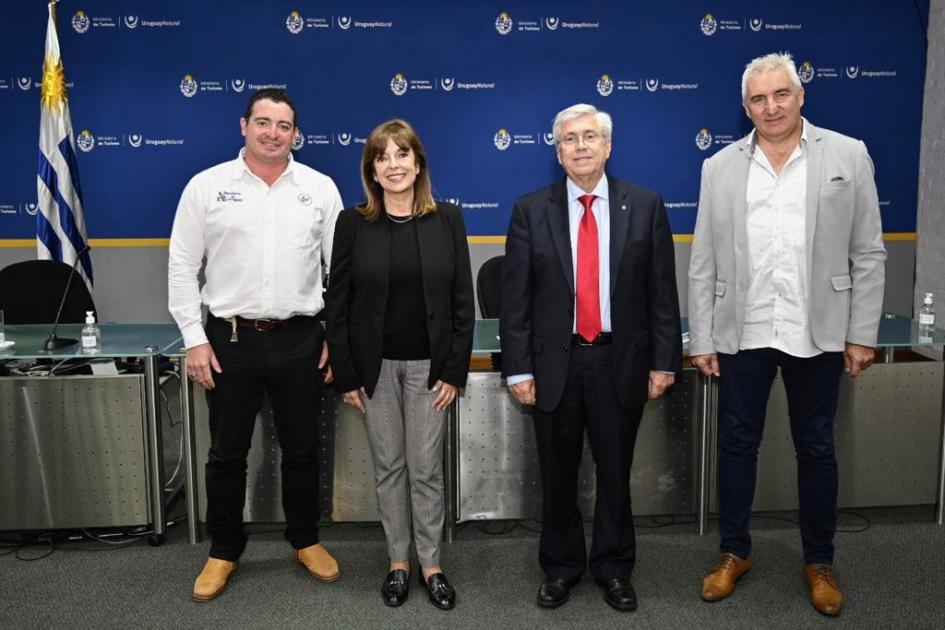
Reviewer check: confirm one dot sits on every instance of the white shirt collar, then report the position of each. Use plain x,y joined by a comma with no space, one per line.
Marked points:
601,190
241,168
750,140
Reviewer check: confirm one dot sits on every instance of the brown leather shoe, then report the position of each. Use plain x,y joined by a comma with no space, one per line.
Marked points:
319,563
212,580
825,593
721,582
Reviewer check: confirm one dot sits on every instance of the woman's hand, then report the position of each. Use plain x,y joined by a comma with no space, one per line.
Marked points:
353,398
445,396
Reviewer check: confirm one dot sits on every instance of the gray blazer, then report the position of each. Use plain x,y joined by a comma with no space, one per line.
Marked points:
845,253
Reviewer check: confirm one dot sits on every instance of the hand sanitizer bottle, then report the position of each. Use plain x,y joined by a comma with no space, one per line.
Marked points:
91,335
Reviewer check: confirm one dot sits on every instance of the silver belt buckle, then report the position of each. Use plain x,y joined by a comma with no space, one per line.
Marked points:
265,320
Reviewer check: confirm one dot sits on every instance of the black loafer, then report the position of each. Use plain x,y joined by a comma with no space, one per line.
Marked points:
553,593
438,588
619,593
396,587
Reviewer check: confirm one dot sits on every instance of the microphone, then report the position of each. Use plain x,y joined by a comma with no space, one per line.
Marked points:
52,341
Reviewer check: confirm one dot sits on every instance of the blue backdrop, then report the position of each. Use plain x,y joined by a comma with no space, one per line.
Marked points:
157,89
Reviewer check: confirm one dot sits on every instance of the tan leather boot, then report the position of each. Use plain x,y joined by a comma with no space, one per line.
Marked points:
720,583
319,563
212,580
825,593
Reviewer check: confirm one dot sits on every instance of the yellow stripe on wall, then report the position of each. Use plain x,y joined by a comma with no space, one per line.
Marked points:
473,240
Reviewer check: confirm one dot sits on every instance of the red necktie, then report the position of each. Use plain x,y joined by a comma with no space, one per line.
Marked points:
588,273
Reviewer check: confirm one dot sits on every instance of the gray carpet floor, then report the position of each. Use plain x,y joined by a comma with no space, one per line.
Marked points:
893,575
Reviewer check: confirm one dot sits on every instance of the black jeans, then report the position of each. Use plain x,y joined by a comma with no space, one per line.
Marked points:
812,387
589,402
284,365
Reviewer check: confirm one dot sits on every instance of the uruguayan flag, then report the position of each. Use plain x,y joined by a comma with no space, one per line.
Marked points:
60,223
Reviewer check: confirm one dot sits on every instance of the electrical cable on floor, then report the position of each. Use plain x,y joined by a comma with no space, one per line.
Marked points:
496,528
129,540
528,528
866,522
658,522
52,549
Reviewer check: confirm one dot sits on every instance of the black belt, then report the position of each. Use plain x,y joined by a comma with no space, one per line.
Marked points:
602,339
266,325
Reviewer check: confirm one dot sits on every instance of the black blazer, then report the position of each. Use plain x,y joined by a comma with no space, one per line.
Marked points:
538,292
357,297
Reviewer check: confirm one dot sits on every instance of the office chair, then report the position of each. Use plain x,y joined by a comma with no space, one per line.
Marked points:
487,287
31,291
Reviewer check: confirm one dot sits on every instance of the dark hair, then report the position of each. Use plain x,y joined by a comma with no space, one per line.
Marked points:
276,95
406,138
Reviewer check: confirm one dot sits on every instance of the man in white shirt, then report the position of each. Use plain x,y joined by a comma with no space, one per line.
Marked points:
786,272
264,224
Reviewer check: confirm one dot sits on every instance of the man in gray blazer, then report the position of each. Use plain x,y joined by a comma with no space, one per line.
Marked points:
786,271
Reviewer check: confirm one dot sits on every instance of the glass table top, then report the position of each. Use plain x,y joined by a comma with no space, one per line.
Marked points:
118,340
894,331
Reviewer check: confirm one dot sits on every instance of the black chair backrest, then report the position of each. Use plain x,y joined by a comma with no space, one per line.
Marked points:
488,287
31,291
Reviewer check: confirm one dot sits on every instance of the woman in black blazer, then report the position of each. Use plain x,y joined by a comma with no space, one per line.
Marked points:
399,315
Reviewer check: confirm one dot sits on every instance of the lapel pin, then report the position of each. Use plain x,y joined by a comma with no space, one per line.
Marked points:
623,207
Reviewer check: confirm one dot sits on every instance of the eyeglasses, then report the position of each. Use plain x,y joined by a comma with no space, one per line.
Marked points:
590,138
760,101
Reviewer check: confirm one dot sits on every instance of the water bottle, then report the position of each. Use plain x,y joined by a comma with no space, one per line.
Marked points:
91,335
926,319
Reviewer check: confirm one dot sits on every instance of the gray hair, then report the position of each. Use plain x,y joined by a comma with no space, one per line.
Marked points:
770,63
576,111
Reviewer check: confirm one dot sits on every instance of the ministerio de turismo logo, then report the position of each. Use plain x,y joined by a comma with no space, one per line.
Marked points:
503,23
703,139
294,23
80,21
188,86
398,85
708,25
502,139
806,72
85,141
605,85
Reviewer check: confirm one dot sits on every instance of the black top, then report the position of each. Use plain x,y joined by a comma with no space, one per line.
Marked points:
405,318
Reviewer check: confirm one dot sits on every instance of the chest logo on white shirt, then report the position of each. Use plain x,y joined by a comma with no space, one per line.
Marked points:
305,199
225,196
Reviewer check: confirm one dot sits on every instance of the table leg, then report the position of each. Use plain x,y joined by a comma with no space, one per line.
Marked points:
190,453
450,482
155,450
889,352
703,474
940,498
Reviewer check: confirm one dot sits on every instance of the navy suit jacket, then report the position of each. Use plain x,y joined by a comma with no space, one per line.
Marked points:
538,292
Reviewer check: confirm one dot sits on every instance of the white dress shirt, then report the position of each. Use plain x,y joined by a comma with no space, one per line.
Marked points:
264,245
601,210
776,305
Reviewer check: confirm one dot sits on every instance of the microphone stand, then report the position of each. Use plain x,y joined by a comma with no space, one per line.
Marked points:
52,341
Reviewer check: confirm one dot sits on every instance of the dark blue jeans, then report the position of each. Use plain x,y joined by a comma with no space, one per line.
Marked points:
812,386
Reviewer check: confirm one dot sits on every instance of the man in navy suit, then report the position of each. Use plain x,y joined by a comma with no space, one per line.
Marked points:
590,331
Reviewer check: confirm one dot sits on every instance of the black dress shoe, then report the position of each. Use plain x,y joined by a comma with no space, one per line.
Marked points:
553,593
396,587
619,593
438,588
